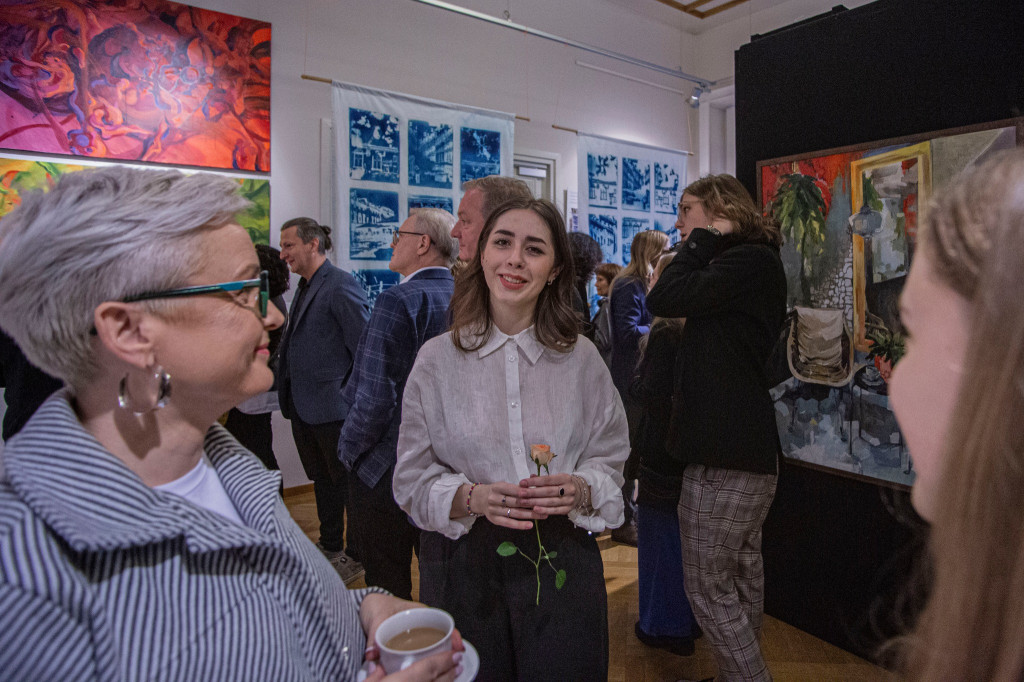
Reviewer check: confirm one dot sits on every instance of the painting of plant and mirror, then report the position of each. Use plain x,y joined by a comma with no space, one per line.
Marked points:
850,219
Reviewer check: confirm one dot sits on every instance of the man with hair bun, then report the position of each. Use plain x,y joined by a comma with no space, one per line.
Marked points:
404,318
328,314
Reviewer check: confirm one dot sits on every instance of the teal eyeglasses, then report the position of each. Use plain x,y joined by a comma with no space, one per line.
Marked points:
230,287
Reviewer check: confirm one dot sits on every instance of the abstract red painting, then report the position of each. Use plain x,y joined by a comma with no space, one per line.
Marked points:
143,80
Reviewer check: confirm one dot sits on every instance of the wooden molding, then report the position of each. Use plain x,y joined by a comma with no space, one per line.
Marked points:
691,7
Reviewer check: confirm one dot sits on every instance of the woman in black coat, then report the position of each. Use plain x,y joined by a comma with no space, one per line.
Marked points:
728,282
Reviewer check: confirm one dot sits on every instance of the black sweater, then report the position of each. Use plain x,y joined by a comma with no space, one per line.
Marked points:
733,297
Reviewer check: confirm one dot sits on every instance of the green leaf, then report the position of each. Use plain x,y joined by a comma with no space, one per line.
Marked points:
551,555
507,549
560,579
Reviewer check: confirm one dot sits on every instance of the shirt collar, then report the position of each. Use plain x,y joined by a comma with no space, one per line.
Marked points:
321,271
111,508
429,267
526,340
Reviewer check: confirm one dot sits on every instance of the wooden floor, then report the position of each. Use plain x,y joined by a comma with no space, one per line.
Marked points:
792,655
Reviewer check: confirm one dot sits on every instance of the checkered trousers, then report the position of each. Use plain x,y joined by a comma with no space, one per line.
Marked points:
720,516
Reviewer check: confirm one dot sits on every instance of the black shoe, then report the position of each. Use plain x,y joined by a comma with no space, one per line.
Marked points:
625,534
680,646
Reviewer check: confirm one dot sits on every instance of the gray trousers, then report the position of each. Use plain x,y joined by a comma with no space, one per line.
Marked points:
720,516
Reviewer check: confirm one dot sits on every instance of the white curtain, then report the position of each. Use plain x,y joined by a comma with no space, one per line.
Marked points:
393,152
625,188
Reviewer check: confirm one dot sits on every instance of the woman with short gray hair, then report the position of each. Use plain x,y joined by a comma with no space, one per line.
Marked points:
138,539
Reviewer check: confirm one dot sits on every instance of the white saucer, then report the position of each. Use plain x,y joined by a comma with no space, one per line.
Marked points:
470,665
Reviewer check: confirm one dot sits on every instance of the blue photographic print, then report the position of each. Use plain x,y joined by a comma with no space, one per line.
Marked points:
630,226
374,282
668,228
373,146
604,229
603,180
636,184
666,188
425,201
373,218
431,151
481,153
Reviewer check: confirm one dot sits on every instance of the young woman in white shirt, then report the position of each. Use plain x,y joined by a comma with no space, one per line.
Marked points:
513,374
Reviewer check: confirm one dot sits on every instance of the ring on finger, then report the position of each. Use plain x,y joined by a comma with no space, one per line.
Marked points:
503,499
508,512
561,492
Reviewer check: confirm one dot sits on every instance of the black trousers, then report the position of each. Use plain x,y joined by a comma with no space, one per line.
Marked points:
255,434
384,534
493,600
318,451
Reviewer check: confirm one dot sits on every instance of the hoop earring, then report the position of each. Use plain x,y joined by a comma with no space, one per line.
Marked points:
163,393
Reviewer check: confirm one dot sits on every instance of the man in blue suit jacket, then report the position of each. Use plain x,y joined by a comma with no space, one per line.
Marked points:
404,318
328,315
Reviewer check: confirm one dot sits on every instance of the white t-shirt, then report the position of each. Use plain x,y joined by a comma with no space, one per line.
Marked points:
202,487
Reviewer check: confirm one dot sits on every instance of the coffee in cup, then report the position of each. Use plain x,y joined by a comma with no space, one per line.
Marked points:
415,638
412,635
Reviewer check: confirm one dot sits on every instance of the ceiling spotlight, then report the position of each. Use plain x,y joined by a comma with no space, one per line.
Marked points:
694,99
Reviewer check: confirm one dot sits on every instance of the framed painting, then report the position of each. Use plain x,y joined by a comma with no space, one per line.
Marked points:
887,190
19,175
150,80
850,219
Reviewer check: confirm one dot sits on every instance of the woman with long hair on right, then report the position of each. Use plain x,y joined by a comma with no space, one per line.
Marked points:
958,394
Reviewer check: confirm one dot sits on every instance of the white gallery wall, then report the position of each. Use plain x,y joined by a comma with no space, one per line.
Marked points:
405,46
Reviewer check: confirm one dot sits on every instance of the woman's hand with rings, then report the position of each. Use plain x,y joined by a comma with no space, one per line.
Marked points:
554,494
503,506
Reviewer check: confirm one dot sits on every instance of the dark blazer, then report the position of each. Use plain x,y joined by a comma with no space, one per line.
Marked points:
404,318
319,345
733,297
630,321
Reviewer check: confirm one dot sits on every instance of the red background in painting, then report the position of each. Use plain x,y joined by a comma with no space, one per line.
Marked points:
144,80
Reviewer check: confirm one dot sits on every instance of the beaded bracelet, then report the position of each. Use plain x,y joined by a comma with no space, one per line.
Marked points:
583,498
470,497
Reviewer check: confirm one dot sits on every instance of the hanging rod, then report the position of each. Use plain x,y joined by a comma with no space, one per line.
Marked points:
321,79
595,67
703,83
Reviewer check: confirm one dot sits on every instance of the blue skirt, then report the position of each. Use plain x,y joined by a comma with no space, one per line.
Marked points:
664,609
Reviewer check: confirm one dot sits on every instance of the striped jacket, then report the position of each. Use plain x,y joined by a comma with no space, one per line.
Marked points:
104,578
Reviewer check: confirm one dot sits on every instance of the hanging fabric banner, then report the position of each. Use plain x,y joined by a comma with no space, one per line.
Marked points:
396,152
625,188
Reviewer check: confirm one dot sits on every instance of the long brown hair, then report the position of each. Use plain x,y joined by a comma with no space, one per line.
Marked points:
973,628
647,247
723,196
555,322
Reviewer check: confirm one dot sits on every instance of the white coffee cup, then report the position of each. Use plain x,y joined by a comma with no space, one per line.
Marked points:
394,660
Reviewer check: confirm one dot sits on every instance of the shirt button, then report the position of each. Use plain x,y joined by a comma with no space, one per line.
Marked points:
517,451
514,404
511,358
693,245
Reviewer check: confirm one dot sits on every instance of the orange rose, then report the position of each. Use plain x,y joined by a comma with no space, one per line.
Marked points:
541,455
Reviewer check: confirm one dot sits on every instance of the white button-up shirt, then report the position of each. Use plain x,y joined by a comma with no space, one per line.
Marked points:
471,418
